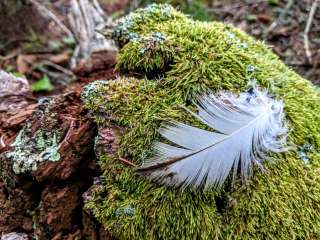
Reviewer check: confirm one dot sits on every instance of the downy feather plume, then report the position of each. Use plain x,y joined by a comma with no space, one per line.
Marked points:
246,128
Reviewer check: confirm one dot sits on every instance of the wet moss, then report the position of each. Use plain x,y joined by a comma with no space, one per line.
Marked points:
281,203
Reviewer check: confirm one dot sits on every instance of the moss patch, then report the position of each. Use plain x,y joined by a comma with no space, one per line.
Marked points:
190,57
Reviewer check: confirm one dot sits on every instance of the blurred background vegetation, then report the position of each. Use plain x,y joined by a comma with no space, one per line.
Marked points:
280,23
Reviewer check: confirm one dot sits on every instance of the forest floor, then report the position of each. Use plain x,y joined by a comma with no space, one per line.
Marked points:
43,55
282,25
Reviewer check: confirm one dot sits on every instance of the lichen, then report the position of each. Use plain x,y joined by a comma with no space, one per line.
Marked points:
29,149
283,202
90,89
304,152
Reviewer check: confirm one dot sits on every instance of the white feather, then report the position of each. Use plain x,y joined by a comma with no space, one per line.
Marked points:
247,127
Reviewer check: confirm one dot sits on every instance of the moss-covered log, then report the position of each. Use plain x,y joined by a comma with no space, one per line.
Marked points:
176,58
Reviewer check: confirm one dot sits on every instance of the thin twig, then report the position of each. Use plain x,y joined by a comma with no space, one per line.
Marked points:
125,161
58,67
21,115
52,16
307,29
68,118
13,54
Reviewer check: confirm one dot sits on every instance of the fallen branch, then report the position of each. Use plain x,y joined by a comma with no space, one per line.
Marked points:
86,17
60,68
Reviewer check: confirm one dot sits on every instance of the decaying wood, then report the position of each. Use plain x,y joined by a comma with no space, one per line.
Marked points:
53,191
54,186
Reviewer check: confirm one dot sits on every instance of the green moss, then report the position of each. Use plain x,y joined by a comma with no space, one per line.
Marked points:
281,203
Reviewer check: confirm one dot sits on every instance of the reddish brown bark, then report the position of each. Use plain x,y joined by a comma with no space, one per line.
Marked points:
48,202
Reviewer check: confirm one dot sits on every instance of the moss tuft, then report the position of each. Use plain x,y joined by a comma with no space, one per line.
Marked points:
192,56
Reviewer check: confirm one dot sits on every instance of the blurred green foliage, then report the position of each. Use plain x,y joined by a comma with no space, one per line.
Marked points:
44,84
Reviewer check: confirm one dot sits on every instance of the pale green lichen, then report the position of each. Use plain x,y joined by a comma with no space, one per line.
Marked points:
90,88
28,151
281,203
305,151
34,146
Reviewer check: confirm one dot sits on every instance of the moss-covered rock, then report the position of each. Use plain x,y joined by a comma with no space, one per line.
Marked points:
177,58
